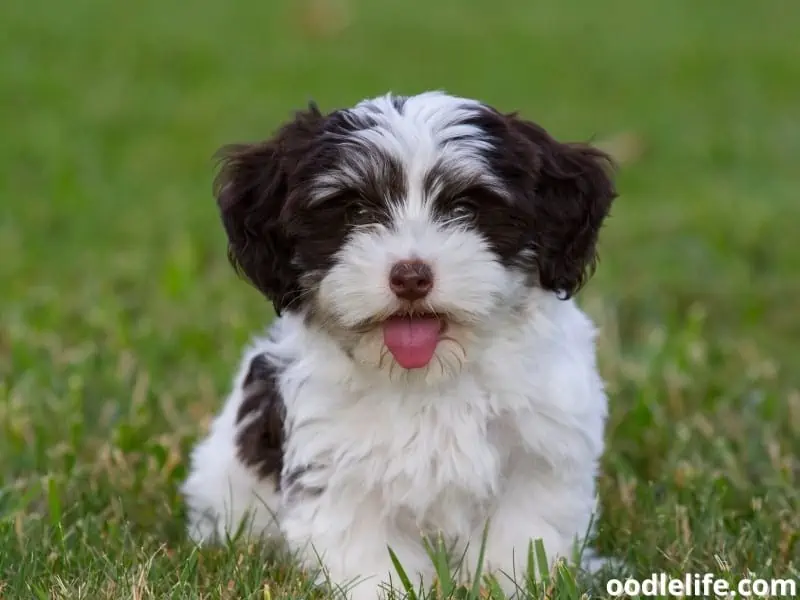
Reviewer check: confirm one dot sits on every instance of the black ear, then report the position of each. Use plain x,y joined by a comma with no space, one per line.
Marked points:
252,188
574,191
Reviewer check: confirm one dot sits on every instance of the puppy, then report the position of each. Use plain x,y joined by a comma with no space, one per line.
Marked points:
428,371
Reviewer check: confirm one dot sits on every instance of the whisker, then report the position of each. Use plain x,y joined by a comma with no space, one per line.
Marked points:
384,352
456,220
456,342
441,364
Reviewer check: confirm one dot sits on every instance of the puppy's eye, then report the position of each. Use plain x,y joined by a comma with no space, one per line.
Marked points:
358,212
463,207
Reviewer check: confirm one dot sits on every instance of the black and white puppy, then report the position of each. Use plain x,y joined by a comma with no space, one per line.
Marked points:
429,369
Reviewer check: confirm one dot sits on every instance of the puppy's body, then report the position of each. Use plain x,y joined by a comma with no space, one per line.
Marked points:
386,404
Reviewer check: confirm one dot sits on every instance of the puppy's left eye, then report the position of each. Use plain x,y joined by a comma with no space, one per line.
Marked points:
463,207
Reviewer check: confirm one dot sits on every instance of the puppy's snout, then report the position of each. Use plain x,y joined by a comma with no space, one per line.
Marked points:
411,279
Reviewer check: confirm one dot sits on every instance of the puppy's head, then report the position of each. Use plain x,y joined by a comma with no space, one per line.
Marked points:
407,226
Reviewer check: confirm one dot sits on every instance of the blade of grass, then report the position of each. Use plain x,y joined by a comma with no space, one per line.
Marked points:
404,579
476,584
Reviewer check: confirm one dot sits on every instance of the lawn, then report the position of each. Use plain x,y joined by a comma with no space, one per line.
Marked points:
121,321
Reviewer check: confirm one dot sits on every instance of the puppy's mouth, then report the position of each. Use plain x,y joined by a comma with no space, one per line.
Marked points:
412,338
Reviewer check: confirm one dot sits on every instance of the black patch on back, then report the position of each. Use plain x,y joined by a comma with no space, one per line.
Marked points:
260,441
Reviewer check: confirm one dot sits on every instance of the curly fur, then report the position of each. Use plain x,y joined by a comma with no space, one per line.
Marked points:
326,442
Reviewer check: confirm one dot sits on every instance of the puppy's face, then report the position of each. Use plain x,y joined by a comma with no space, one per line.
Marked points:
407,226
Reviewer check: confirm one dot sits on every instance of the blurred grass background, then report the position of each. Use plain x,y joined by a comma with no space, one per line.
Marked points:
120,320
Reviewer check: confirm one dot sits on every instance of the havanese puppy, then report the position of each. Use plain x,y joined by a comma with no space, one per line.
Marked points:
429,371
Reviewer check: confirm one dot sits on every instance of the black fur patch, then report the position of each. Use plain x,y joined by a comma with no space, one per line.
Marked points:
260,440
560,195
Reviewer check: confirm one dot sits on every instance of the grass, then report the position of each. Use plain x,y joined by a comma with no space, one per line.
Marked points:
120,320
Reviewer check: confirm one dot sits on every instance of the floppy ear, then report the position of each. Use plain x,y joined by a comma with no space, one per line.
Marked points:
573,194
252,188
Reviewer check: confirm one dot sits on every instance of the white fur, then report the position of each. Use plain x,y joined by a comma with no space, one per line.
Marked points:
431,128
505,424
515,437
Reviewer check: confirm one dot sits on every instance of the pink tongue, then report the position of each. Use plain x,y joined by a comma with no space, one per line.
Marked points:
411,341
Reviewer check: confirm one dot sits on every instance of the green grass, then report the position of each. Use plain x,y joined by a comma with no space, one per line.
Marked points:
121,322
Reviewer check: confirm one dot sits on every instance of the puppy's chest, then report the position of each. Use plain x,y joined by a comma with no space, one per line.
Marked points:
415,451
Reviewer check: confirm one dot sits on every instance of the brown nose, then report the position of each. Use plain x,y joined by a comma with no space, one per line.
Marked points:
411,279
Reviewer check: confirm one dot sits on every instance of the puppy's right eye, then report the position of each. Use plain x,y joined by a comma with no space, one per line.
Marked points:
357,211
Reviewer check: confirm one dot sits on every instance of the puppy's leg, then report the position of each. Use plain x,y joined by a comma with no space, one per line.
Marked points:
534,507
234,470
345,538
